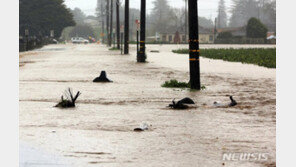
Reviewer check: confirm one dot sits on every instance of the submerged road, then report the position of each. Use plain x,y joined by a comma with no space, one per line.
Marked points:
99,131
33,157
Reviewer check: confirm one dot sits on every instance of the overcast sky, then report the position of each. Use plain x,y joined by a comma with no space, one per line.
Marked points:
207,8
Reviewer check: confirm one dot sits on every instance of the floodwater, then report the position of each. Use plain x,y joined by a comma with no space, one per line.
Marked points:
30,156
99,131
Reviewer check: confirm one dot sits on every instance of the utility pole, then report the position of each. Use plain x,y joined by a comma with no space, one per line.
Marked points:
137,41
103,26
194,45
114,39
117,24
186,19
132,28
141,57
126,28
27,39
215,29
107,20
111,23
219,18
138,24
121,38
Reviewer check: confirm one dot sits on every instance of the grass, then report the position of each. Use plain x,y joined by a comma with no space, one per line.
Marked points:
258,56
114,48
176,84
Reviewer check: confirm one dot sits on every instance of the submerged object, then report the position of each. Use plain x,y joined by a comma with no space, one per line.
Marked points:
102,78
69,102
181,103
154,51
231,104
142,127
219,104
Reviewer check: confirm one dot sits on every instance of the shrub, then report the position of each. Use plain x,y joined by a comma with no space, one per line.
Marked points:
175,84
224,35
255,29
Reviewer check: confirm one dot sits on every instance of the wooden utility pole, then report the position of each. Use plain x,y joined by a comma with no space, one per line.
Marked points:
107,22
103,26
219,18
126,27
111,23
186,20
141,57
121,38
194,45
117,24
137,41
132,28
215,29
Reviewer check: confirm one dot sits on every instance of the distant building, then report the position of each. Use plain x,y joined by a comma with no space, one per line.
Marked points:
270,34
206,36
235,31
239,36
271,38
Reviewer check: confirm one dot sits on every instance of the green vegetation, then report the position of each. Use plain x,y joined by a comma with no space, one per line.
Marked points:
39,17
243,10
224,35
114,48
173,83
257,56
255,29
203,87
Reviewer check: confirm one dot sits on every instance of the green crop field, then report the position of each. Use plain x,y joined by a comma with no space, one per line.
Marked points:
258,56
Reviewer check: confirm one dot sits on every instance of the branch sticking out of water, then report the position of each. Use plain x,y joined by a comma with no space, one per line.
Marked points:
70,100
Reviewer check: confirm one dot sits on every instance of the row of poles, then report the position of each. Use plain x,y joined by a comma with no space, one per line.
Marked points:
194,51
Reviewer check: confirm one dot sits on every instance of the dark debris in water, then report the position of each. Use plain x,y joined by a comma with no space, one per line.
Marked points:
92,153
102,78
181,104
231,104
142,127
70,100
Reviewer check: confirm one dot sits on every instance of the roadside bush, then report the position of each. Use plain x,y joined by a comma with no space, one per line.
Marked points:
175,84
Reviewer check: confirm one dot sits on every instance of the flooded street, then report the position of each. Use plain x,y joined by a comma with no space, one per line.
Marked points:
99,131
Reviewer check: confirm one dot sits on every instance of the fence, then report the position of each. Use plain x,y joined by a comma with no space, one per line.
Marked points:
30,43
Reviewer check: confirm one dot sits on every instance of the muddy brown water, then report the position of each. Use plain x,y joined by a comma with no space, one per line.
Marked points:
99,131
